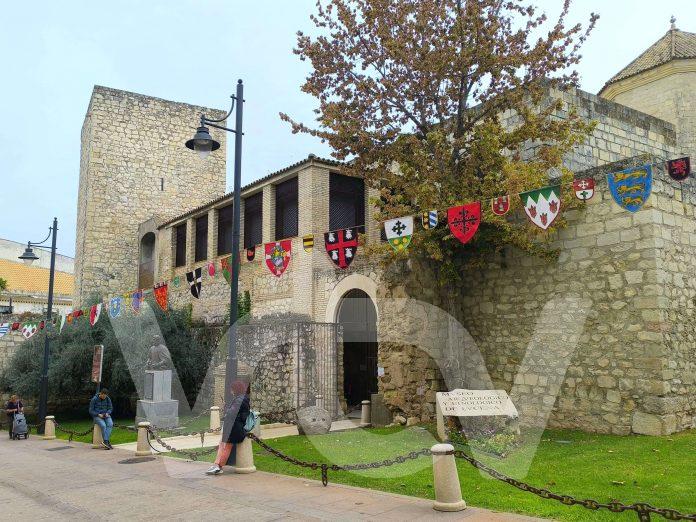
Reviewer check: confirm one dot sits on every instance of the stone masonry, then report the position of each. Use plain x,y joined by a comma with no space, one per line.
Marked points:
631,366
134,167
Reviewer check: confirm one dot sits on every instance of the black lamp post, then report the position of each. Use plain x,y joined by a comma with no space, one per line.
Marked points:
29,257
204,144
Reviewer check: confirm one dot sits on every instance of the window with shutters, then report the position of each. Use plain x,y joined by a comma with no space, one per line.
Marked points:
286,209
346,202
202,238
253,207
180,245
224,232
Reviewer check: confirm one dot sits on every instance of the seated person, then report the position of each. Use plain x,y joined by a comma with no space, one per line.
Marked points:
100,409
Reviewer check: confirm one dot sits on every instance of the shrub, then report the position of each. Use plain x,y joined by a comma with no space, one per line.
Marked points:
126,340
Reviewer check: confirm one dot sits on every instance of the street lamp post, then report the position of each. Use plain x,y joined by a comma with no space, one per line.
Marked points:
204,144
29,257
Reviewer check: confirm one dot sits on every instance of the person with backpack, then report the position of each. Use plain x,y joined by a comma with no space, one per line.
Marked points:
100,409
13,406
235,420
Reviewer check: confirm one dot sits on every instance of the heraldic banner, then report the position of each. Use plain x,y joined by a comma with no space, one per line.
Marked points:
341,245
464,220
542,206
631,188
399,232
278,256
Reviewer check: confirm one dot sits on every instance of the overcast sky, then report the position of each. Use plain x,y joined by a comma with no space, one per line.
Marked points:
194,51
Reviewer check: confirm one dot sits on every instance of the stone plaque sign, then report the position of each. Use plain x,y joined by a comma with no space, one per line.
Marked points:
471,403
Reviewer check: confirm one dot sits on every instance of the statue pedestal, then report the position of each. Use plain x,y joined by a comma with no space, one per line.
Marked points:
157,407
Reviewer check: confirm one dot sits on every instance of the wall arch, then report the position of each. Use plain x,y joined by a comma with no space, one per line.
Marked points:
348,283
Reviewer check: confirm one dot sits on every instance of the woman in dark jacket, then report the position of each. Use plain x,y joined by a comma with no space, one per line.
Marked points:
14,405
233,432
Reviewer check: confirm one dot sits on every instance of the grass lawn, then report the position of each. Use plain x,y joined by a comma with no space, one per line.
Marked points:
656,470
121,436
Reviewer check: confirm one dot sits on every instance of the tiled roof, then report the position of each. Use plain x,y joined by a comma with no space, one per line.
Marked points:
308,159
26,279
674,45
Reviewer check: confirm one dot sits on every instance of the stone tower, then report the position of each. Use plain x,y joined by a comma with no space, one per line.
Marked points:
662,82
134,168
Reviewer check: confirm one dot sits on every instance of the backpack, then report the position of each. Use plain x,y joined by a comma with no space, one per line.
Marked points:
251,422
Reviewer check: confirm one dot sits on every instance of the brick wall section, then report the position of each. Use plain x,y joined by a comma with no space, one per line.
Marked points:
129,142
268,214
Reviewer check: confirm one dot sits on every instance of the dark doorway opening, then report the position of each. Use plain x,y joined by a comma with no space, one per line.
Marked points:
146,271
358,317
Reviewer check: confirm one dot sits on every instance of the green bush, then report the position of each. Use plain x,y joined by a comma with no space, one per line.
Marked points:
126,340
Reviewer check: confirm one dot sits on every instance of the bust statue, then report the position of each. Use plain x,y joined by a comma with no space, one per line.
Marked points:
158,357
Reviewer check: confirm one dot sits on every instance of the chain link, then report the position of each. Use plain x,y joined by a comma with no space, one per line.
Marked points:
192,455
338,467
71,433
642,509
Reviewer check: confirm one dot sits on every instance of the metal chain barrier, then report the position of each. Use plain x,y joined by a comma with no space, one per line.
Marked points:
173,431
125,427
192,455
338,467
30,426
642,509
201,414
71,433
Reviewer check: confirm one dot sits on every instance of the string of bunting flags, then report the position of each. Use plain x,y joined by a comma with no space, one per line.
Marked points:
630,189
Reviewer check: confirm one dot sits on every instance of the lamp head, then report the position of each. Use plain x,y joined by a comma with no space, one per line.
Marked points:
28,256
202,142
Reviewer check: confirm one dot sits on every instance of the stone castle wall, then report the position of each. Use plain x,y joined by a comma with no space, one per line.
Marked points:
608,262
8,346
621,132
621,316
675,325
632,368
134,167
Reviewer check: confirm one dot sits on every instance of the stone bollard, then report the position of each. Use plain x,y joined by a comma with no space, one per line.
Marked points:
97,437
50,428
245,457
142,448
214,417
448,493
365,414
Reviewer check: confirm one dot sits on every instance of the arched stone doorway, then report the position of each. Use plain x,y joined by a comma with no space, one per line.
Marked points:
358,316
146,270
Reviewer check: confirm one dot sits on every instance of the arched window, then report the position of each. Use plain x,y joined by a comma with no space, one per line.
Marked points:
146,272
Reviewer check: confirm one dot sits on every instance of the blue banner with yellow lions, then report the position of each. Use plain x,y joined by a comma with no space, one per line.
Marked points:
631,188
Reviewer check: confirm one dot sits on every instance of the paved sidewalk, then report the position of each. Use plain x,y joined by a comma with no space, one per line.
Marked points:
41,481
